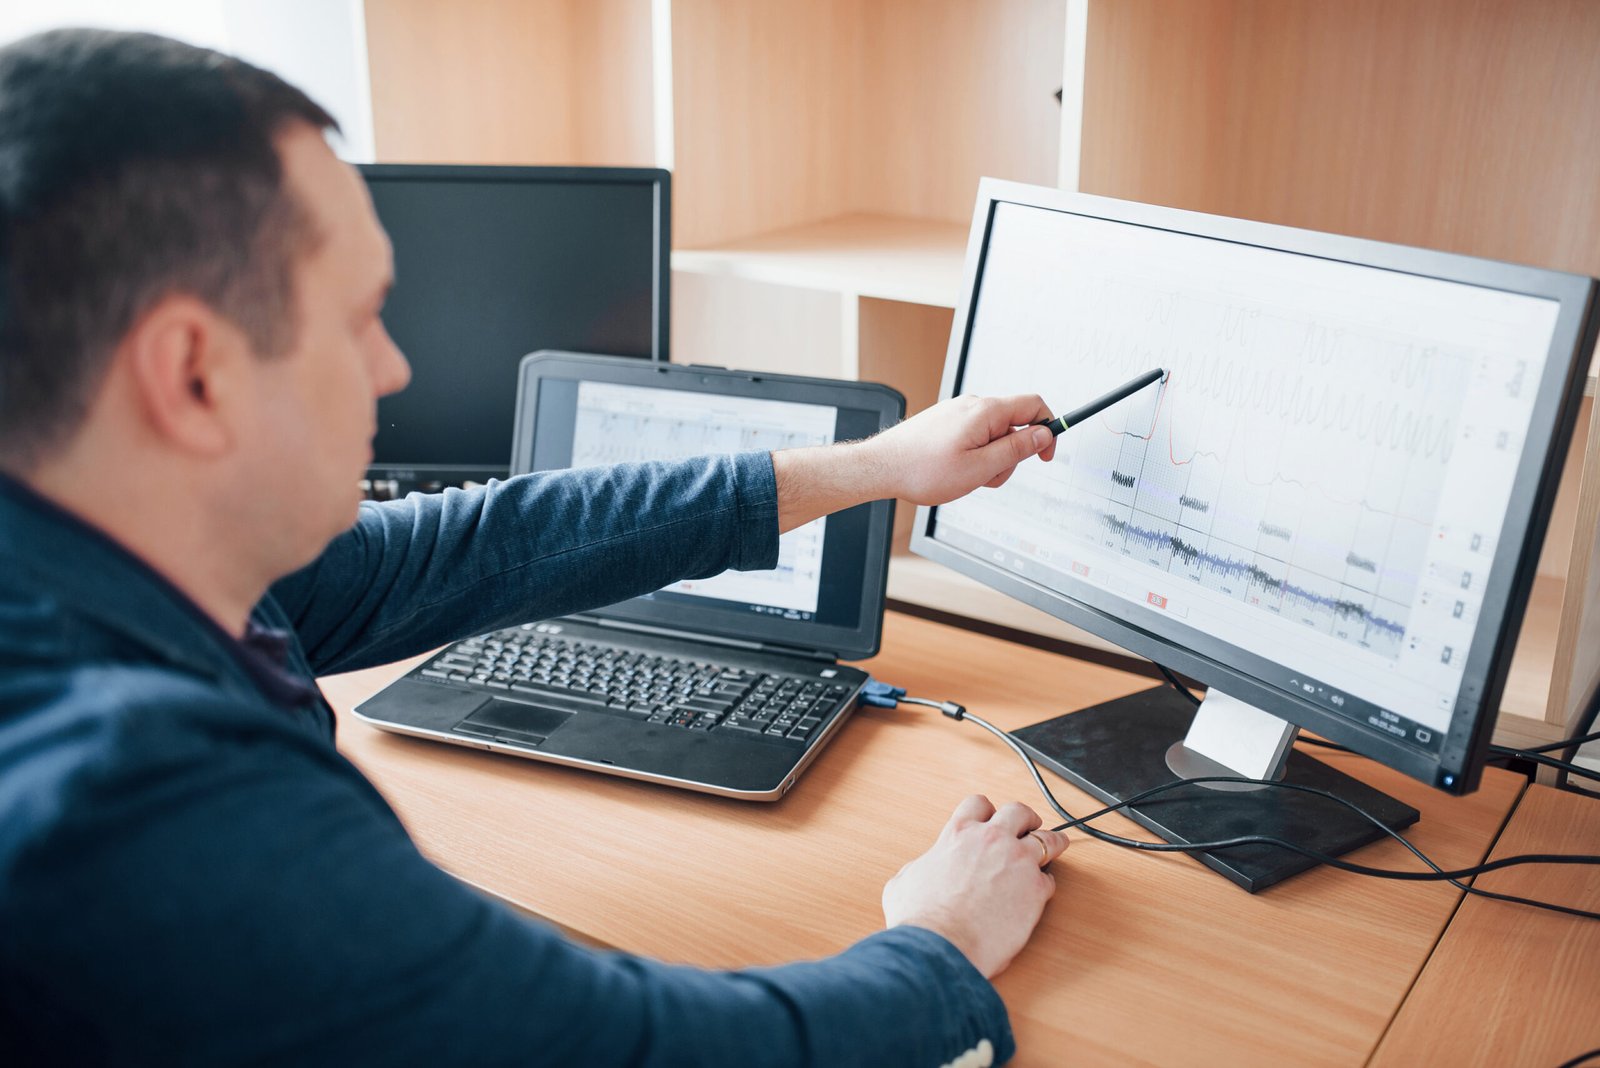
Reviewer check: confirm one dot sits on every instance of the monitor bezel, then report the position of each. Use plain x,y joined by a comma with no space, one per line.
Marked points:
658,179
1458,766
809,637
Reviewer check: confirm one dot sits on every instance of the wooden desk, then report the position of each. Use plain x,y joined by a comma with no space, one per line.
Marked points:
1509,985
1140,958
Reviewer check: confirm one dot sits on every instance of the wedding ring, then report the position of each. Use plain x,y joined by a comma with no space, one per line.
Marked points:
1044,849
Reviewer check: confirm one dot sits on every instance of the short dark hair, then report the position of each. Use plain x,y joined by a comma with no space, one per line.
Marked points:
131,167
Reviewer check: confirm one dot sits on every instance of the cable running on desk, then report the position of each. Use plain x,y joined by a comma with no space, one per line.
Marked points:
883,695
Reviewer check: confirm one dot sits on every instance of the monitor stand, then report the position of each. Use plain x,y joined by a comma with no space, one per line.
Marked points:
1123,747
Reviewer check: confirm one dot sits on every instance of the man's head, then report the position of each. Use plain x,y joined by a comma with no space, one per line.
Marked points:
188,271
132,166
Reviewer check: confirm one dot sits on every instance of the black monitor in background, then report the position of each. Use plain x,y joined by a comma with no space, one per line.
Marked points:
1329,513
492,263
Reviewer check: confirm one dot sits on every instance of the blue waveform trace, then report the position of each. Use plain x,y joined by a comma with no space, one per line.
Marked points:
1226,566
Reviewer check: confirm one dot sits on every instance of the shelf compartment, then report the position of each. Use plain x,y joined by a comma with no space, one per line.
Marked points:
919,261
788,112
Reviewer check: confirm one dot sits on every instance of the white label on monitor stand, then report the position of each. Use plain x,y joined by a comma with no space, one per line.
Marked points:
1239,736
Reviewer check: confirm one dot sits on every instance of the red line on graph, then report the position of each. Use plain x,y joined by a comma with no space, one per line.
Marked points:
1154,422
1173,457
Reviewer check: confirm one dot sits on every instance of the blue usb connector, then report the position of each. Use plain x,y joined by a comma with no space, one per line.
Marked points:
882,695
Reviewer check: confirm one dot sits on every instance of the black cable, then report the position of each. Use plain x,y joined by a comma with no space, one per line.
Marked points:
1565,743
1435,874
1325,744
1582,1058
1177,685
1532,756
1565,766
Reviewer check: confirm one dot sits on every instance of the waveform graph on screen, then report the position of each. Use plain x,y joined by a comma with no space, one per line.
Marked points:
1285,464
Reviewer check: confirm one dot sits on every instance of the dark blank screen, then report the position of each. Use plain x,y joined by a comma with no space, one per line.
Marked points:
489,270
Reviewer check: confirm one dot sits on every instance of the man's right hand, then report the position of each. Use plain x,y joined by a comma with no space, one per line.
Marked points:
980,886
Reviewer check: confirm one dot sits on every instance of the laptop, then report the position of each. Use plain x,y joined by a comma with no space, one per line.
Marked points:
729,685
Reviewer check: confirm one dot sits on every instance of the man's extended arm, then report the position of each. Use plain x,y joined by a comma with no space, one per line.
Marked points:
414,574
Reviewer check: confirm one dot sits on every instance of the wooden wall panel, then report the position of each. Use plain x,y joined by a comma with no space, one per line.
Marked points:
485,82
790,112
611,83
1466,125
762,96
951,91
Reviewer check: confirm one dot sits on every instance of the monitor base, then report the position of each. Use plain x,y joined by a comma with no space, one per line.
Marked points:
1118,749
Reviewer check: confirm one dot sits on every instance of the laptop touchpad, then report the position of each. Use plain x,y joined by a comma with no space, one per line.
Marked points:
525,723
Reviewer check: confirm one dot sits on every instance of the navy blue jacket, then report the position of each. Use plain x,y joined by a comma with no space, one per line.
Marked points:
190,872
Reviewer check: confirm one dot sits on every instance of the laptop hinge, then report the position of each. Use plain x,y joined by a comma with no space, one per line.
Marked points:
711,639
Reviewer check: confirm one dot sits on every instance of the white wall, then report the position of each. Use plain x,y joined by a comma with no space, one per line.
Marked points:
318,45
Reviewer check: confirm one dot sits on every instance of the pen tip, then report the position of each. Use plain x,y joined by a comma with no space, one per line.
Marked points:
1165,374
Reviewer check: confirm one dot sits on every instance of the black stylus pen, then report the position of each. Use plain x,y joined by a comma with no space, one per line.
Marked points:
1100,404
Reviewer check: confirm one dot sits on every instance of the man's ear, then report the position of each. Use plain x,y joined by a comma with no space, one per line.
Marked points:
184,361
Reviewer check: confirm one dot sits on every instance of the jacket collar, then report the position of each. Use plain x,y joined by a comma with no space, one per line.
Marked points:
92,576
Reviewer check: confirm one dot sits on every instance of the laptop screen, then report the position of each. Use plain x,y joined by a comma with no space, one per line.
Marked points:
598,411
617,424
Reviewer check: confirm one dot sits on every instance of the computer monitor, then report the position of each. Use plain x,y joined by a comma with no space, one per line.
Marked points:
492,263
1329,513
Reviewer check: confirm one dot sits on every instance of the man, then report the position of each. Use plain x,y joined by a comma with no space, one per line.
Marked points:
190,355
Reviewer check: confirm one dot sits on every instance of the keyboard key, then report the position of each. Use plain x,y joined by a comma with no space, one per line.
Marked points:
581,700
691,694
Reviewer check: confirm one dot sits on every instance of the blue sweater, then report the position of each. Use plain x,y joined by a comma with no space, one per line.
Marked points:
190,872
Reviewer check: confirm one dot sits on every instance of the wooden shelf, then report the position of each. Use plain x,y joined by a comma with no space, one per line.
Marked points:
918,261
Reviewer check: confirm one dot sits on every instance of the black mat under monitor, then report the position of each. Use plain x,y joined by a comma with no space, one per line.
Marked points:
1118,749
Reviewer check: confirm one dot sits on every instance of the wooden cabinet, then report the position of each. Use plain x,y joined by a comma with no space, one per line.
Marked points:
826,155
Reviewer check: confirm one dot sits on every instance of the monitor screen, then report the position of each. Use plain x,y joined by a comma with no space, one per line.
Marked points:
492,263
1331,505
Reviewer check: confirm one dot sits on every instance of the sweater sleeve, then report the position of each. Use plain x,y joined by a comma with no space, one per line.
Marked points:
414,574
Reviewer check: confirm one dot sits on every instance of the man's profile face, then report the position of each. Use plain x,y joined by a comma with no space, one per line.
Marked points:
311,441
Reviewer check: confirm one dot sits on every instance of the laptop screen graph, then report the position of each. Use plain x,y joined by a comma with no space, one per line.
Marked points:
618,423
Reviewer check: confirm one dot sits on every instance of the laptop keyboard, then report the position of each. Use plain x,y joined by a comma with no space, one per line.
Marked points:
692,694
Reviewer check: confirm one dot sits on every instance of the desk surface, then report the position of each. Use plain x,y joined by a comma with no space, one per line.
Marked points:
1509,985
1139,958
